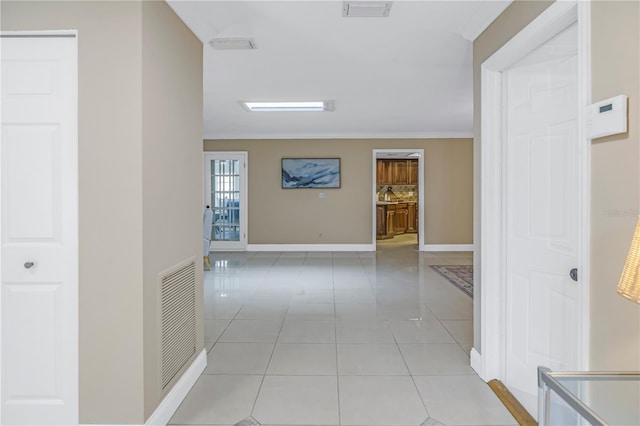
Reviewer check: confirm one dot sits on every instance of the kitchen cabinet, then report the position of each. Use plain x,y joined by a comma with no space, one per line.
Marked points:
396,219
413,171
412,218
401,218
397,172
400,172
384,172
381,222
391,221
385,221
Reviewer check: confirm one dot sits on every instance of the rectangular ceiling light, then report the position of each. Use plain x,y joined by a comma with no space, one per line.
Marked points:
317,106
366,9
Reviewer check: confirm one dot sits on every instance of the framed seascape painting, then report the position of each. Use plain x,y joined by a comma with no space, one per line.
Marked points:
310,173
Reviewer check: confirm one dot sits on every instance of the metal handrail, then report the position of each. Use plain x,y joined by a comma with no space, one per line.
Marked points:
547,381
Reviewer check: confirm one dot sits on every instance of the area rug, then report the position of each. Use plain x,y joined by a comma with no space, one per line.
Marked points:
459,275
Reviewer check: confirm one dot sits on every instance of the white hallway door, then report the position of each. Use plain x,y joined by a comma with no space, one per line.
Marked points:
542,214
39,232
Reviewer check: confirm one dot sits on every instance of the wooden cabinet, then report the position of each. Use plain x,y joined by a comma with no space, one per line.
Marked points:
396,219
391,221
401,218
413,171
412,218
400,172
384,172
385,221
381,222
397,172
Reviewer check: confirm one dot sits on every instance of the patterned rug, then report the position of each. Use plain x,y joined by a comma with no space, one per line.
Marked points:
459,275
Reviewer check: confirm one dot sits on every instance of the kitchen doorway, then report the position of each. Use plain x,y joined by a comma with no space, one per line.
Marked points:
398,197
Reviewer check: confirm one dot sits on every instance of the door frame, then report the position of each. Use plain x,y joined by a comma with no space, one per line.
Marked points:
244,197
420,212
489,360
74,274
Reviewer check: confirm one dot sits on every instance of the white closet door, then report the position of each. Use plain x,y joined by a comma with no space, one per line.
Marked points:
39,236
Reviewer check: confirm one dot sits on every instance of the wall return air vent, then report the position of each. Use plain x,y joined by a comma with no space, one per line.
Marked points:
177,319
366,9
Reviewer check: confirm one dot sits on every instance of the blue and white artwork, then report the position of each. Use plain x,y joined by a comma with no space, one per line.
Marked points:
311,173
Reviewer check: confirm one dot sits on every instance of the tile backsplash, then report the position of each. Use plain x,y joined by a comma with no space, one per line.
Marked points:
402,192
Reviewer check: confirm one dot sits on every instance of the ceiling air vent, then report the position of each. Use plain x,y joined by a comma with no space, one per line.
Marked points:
366,9
232,43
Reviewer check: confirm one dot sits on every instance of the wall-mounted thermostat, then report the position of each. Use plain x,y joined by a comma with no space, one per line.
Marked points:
608,117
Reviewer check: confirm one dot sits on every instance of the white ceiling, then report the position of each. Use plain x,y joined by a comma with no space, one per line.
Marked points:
407,75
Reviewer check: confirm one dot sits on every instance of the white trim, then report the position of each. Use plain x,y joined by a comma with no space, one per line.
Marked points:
420,212
584,99
76,213
490,214
448,247
44,33
1,364
178,393
320,135
554,19
311,247
477,363
491,363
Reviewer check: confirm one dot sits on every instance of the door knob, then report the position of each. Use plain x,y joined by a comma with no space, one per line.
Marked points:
28,265
574,274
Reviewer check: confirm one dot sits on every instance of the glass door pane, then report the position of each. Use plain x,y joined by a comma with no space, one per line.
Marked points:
225,198
225,191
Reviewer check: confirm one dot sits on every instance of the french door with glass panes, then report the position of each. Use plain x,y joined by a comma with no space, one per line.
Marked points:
226,194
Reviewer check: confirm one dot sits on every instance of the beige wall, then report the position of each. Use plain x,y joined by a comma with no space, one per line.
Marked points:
615,202
615,198
114,362
279,216
171,169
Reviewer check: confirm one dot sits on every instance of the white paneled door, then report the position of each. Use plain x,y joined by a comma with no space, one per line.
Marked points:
39,229
542,217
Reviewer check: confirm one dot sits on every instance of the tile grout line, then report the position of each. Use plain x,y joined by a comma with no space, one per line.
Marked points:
413,380
225,329
275,343
447,330
335,338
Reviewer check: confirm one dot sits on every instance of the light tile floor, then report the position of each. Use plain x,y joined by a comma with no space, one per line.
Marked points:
342,338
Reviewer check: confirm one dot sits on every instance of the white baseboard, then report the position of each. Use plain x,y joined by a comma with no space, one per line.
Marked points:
350,247
476,362
311,247
448,247
177,394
